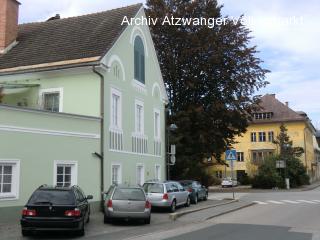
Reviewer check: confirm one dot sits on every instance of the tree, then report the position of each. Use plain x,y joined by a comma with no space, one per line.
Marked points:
211,75
268,176
286,145
294,169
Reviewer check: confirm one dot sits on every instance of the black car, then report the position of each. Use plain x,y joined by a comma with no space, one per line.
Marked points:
197,191
56,208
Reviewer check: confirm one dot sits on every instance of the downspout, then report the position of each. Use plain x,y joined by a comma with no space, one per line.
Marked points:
101,132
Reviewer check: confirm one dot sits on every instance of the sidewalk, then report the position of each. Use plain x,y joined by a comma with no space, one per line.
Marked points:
248,189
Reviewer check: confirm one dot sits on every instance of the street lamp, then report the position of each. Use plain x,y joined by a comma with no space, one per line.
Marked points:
173,127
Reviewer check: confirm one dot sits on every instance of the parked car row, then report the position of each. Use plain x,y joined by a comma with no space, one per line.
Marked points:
68,209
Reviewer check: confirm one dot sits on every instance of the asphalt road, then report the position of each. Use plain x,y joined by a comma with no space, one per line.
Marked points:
276,215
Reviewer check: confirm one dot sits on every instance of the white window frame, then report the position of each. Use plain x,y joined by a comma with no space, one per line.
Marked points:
74,170
140,165
156,173
157,128
15,187
120,172
114,91
139,103
51,90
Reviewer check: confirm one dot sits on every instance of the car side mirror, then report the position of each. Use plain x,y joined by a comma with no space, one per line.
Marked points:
89,197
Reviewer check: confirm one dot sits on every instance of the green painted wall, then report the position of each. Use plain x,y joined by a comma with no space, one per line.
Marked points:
81,92
123,50
37,152
81,95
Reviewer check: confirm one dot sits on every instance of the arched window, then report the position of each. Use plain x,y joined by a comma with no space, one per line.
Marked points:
139,62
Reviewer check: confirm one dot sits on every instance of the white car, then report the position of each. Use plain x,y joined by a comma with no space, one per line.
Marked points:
228,182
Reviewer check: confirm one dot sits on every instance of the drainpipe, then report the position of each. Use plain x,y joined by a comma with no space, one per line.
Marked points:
101,155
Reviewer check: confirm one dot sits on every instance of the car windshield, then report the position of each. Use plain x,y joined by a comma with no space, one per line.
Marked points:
186,184
54,197
131,194
153,188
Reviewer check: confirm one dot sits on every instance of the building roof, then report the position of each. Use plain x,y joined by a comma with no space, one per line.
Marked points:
84,38
280,111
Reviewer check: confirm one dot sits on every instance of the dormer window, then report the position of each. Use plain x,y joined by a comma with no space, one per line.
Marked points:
139,60
265,115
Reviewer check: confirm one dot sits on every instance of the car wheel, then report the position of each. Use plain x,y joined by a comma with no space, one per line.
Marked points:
173,206
187,202
106,219
81,231
205,197
195,200
25,233
147,221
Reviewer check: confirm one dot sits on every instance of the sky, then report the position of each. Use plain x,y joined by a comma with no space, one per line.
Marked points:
286,33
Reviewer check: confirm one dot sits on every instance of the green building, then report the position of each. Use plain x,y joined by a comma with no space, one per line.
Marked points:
82,103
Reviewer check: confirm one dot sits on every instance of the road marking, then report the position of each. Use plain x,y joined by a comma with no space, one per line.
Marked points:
305,201
259,202
275,202
289,201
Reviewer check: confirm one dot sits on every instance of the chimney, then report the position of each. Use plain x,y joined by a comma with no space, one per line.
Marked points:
287,104
9,13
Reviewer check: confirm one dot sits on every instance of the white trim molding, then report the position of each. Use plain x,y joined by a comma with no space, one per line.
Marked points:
116,92
142,174
156,137
116,58
8,128
74,170
137,31
15,183
51,90
141,132
156,173
154,87
119,174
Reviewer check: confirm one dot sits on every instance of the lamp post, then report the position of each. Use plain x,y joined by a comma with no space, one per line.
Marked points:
287,180
173,127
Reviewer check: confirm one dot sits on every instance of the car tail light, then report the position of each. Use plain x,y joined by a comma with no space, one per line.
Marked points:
165,196
29,212
109,204
190,190
73,213
148,205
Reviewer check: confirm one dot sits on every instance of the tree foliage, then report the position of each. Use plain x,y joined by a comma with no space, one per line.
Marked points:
286,145
211,76
269,176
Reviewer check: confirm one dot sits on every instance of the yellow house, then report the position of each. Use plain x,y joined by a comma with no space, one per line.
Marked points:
257,143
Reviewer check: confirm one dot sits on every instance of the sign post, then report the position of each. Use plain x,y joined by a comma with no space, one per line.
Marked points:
231,155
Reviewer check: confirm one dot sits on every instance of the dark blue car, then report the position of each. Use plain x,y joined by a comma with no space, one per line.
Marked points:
197,191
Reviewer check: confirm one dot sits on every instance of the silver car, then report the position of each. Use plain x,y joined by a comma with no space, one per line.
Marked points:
126,202
167,194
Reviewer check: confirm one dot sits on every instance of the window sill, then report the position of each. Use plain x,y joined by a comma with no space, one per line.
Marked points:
140,87
8,198
115,129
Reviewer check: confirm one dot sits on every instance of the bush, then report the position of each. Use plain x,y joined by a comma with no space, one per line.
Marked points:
297,173
268,176
245,179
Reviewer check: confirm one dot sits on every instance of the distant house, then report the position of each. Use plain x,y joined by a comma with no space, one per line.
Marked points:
84,103
257,143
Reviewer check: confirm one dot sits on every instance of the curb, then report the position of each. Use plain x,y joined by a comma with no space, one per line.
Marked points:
175,216
231,210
